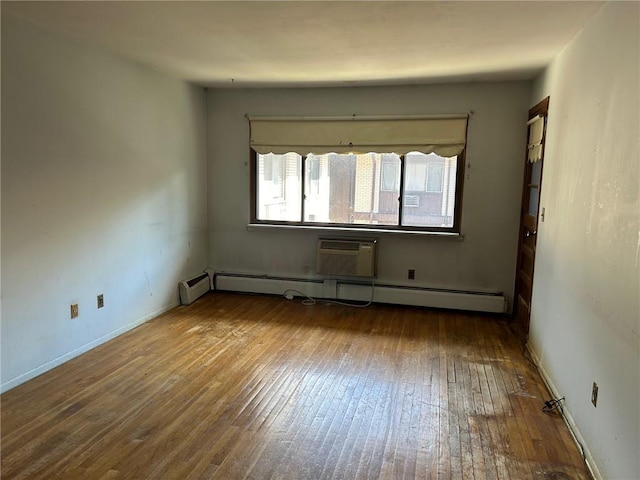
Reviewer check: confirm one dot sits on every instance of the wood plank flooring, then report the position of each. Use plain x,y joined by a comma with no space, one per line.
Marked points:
238,386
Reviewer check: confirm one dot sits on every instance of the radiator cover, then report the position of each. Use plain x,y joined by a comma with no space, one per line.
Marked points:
194,287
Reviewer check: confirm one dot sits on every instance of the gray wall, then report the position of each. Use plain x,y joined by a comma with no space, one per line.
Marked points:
585,319
485,260
103,191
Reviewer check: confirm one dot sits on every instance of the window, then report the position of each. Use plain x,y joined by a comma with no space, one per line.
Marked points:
424,172
434,177
351,190
390,176
312,171
278,190
433,199
415,178
360,190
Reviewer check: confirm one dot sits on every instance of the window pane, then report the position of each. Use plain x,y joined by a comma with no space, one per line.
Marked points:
536,171
350,189
430,190
313,168
533,201
278,184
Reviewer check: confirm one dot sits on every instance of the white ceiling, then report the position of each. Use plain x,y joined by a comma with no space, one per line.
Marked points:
308,43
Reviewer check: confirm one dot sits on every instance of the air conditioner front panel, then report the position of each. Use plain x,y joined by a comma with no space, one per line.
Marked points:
346,258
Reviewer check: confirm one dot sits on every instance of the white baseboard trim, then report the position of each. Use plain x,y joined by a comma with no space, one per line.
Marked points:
568,418
268,286
14,382
361,291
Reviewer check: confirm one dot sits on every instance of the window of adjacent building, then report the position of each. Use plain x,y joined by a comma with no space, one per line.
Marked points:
390,175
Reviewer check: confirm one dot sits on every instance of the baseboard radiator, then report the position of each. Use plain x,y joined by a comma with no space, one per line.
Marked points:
360,291
193,288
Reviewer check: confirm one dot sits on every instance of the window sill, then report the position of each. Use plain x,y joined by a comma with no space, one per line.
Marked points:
255,227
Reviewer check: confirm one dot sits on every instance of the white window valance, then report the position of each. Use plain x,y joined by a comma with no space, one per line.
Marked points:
534,144
443,135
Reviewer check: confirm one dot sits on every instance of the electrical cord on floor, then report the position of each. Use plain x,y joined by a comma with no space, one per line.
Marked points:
289,294
553,404
556,404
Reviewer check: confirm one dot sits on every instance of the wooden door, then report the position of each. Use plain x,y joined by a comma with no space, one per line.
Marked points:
529,215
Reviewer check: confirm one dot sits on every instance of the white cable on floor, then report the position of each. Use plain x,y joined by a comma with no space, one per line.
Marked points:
288,294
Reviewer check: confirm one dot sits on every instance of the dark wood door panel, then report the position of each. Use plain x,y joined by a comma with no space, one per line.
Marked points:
530,205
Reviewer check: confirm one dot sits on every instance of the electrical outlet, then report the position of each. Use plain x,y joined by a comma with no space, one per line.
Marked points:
594,394
411,274
100,300
74,310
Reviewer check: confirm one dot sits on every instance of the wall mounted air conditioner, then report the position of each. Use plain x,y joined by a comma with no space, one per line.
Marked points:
346,257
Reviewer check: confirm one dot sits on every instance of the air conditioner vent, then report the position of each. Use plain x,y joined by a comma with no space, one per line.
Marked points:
411,201
352,258
339,245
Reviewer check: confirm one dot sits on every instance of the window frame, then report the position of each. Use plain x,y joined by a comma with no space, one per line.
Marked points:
457,212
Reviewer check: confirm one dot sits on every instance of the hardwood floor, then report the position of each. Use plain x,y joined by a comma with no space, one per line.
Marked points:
238,386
